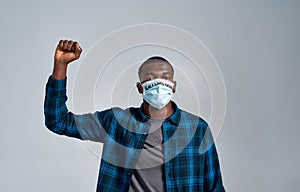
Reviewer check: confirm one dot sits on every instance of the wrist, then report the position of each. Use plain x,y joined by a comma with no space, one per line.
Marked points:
60,63
59,70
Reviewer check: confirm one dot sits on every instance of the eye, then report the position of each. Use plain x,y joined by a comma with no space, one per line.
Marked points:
149,78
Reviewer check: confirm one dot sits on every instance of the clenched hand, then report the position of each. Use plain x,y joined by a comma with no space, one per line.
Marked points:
66,52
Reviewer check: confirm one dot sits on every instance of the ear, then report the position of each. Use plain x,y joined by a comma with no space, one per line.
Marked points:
174,87
139,87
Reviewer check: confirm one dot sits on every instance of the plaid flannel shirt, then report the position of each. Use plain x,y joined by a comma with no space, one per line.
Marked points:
190,156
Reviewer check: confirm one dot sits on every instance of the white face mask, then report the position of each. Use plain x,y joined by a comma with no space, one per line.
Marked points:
158,92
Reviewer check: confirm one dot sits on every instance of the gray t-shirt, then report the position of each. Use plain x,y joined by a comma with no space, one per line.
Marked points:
149,174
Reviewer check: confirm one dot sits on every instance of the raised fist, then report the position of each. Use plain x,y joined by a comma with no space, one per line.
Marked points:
67,51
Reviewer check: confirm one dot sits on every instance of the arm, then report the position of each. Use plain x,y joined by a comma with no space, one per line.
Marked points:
212,171
63,122
57,117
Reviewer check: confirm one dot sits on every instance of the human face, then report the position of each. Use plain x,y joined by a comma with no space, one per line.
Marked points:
155,70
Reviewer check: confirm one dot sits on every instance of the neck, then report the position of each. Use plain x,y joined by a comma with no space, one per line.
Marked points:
158,114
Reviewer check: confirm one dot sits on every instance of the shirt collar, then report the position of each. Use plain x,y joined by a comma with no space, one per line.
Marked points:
174,118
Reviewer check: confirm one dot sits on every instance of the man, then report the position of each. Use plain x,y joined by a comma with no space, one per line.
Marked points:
157,147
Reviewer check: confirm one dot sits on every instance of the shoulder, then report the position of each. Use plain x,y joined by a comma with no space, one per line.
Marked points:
117,112
187,116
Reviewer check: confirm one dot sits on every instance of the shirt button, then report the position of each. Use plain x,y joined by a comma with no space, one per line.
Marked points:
129,173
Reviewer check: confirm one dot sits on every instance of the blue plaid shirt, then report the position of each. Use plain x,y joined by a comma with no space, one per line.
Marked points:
190,156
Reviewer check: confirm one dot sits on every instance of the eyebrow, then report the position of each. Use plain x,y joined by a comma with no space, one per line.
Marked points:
150,73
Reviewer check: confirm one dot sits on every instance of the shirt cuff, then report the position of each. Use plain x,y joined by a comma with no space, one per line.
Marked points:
57,84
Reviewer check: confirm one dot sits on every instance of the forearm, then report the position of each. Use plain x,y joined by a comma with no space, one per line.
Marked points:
59,70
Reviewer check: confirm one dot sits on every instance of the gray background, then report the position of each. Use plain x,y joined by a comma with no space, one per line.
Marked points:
256,44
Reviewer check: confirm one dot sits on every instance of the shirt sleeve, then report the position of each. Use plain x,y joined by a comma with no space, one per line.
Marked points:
57,117
212,176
